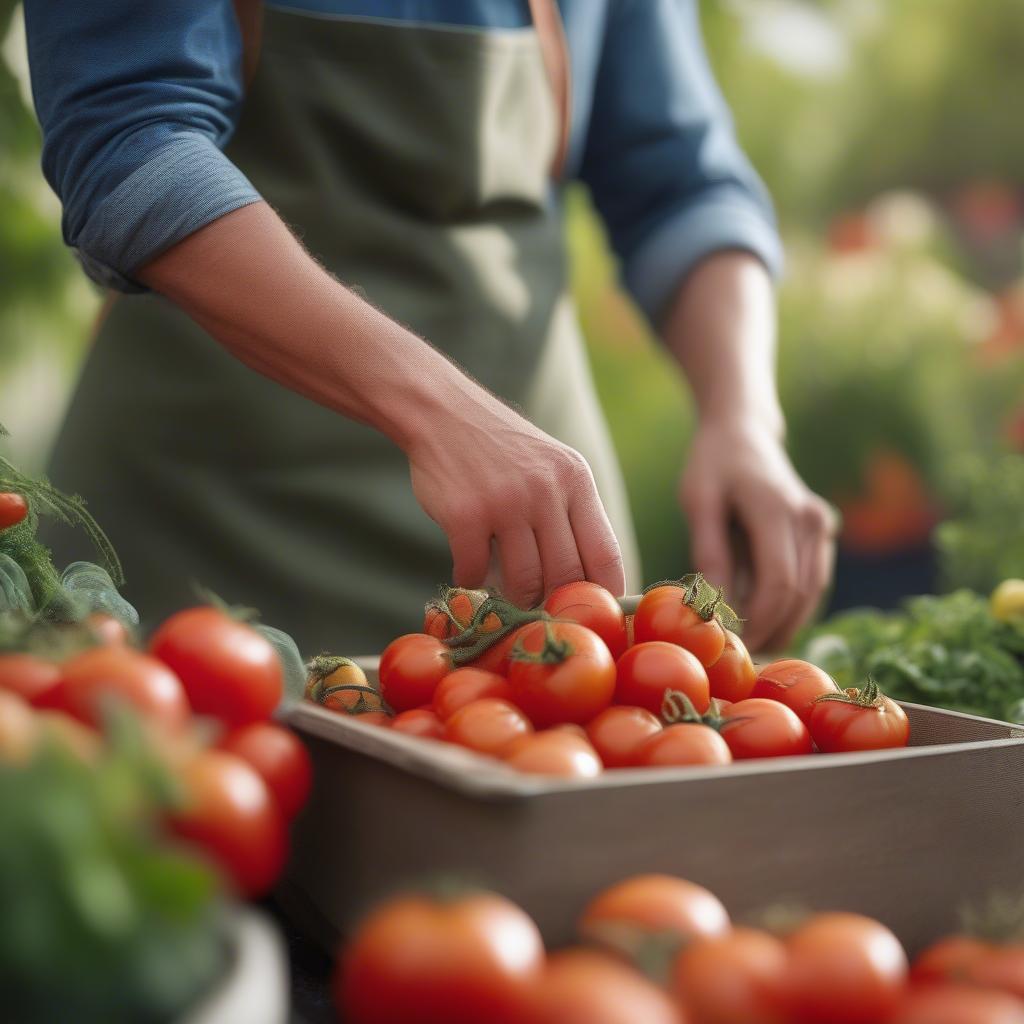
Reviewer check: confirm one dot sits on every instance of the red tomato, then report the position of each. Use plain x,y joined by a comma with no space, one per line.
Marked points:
566,675
19,729
13,509
949,959
28,676
419,722
955,1004
619,732
864,720
764,728
663,614
280,758
462,605
88,680
487,726
685,743
735,978
463,961
553,752
1002,968
230,814
647,670
229,671
411,668
465,685
844,969
107,629
592,606
660,904
572,727
795,683
582,986
733,675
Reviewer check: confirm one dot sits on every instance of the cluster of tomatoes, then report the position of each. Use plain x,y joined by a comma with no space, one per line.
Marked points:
577,686
655,949
204,692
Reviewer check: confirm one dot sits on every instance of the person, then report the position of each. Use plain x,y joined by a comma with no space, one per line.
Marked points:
348,366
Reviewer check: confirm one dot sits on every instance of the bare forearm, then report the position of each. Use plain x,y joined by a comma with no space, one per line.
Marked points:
249,283
721,328
479,469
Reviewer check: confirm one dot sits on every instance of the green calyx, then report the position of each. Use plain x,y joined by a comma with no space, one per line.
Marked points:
553,652
868,696
320,693
677,708
653,953
999,920
474,640
706,600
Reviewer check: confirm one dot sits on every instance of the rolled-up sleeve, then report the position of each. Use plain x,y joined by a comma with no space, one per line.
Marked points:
661,158
136,99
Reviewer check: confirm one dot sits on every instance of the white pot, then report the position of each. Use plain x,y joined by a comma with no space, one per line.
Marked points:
255,986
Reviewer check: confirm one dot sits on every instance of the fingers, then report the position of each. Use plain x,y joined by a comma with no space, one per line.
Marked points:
549,527
708,518
559,553
797,579
521,570
817,529
596,542
471,555
776,591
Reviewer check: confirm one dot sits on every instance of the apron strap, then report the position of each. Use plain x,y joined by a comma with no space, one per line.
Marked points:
249,14
547,22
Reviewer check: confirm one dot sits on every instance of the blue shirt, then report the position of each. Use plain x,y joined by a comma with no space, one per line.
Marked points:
137,98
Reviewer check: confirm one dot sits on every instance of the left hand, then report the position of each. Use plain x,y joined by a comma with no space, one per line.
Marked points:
738,471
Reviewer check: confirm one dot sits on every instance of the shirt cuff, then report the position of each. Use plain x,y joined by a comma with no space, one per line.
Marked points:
657,267
183,186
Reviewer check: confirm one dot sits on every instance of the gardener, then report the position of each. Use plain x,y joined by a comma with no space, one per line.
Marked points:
304,419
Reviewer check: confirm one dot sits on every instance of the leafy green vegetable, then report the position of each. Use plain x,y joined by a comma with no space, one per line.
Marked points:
91,586
15,592
948,651
983,541
291,660
102,921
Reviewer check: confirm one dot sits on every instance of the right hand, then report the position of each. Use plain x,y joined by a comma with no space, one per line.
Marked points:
498,476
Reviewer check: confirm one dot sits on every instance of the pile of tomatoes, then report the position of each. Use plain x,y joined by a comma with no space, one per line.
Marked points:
655,949
576,686
203,691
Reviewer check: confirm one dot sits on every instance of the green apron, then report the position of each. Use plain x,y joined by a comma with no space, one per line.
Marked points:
413,163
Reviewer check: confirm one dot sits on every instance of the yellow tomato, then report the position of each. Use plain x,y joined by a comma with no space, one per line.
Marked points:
1007,601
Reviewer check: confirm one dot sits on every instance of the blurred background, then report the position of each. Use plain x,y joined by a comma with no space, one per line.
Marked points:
888,136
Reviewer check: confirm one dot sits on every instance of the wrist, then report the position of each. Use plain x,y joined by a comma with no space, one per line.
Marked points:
763,417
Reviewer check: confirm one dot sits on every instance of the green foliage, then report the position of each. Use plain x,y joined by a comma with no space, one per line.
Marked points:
983,542
876,354
947,651
102,920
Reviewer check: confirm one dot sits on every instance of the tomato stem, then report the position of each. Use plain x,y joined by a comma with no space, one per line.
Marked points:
553,652
870,695
320,694
706,600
